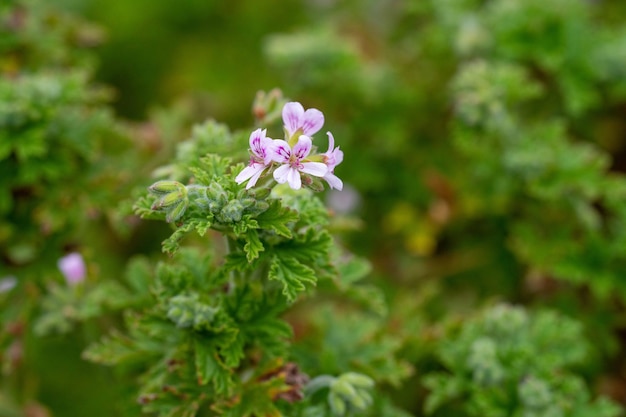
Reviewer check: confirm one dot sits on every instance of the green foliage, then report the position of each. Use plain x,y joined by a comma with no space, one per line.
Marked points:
484,144
507,361
208,331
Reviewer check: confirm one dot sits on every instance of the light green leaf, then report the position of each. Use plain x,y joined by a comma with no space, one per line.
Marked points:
292,274
253,245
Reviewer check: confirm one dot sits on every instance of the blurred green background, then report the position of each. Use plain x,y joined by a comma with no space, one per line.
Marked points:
485,143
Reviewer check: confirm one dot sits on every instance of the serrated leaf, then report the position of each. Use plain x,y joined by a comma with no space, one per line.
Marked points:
307,247
202,226
253,245
214,165
239,262
276,218
209,368
114,349
142,208
200,175
172,243
292,274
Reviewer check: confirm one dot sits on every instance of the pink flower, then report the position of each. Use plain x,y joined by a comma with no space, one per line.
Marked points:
260,158
73,268
299,122
332,157
292,162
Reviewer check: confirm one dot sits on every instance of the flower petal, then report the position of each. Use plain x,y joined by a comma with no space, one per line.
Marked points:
249,171
292,116
333,181
281,151
280,175
312,121
317,169
338,156
256,142
293,177
331,142
302,148
254,179
268,150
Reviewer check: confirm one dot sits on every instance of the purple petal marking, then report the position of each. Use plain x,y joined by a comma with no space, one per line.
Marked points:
312,121
281,151
302,148
256,142
292,116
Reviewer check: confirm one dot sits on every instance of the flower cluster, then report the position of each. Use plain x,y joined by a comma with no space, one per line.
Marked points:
290,160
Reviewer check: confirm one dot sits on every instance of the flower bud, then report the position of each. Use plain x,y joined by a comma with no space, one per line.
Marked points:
337,404
232,212
176,212
247,202
358,380
165,187
168,200
343,387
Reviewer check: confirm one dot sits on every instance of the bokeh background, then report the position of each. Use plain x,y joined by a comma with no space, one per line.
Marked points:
484,141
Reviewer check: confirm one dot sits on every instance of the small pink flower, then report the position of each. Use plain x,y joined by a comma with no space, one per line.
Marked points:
7,283
260,158
292,162
332,157
298,121
73,268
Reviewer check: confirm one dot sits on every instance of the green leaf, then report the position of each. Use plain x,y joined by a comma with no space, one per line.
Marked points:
292,274
172,243
114,349
276,218
209,368
353,270
311,246
253,245
239,262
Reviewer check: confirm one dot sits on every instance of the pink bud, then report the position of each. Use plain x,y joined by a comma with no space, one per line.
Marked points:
73,268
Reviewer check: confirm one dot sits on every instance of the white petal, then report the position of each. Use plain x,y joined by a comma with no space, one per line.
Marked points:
292,116
281,151
256,142
281,173
248,172
314,168
254,179
331,142
294,179
312,121
303,147
333,181
268,150
338,154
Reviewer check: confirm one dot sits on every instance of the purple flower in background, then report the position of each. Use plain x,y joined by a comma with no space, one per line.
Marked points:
332,158
260,158
292,164
7,283
73,268
300,122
